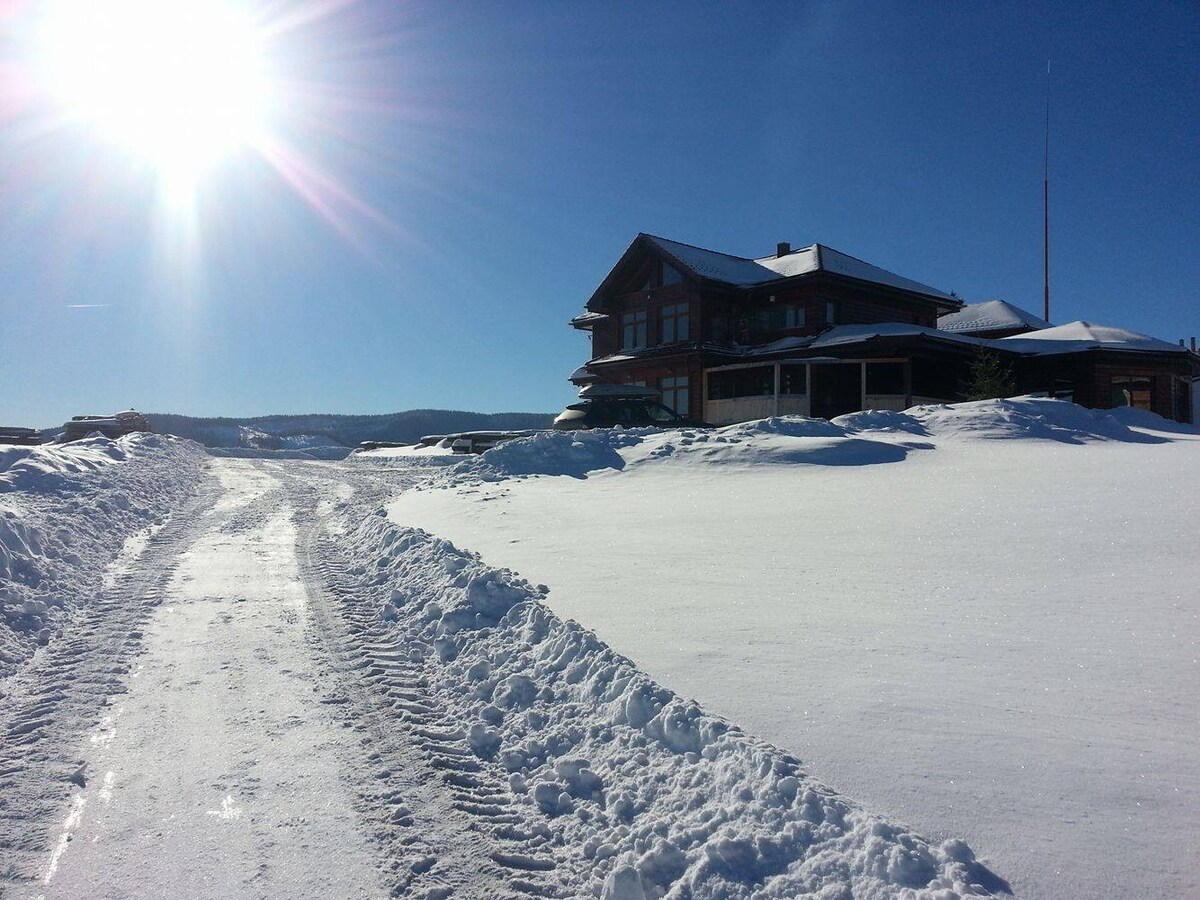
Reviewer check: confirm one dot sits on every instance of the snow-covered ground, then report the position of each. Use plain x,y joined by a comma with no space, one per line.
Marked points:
982,620
978,620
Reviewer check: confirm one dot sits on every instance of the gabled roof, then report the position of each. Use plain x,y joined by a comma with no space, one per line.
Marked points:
715,266
738,271
818,257
991,315
1076,336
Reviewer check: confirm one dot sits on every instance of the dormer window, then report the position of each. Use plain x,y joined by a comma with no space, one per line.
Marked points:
661,274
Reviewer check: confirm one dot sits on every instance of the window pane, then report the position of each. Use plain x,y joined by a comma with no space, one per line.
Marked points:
793,380
720,385
1132,390
885,378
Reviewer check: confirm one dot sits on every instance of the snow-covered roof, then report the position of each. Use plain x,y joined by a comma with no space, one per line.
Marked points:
737,270
590,391
1077,336
717,266
990,315
820,257
588,319
853,334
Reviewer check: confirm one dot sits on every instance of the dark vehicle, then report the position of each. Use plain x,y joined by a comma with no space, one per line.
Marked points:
24,436
482,441
607,406
380,445
113,426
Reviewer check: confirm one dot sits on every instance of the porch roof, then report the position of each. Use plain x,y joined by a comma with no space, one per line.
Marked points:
990,315
1076,337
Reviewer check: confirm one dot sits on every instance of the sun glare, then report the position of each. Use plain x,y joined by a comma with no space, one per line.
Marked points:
179,83
219,102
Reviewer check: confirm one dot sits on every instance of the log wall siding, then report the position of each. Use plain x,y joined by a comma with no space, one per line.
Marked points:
1090,375
855,307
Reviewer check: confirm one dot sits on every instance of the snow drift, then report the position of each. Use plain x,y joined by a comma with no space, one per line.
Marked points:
865,438
658,798
66,512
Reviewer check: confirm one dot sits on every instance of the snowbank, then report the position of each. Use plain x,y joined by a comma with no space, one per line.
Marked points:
65,513
663,799
864,438
1036,418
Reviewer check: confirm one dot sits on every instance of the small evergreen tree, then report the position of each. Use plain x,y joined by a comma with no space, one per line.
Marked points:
989,377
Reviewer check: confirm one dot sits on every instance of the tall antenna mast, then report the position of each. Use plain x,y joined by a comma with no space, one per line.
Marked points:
1046,203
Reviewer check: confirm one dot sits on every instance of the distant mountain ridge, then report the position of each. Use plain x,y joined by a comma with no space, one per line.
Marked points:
299,432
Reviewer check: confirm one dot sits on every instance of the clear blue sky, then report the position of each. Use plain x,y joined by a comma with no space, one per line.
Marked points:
499,159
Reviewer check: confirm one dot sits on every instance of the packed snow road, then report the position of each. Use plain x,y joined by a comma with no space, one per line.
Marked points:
278,692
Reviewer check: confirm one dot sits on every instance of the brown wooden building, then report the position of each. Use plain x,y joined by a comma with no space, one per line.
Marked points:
817,332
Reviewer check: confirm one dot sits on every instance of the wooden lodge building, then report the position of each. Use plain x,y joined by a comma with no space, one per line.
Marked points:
819,333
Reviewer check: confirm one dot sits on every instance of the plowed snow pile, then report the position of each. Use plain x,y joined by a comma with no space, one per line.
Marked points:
659,798
66,512
980,619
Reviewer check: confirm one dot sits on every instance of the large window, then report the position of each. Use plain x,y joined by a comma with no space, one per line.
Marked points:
633,330
832,312
776,318
675,393
757,381
674,323
1132,390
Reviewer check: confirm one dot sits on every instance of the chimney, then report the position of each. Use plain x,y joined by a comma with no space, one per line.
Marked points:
783,248
1193,343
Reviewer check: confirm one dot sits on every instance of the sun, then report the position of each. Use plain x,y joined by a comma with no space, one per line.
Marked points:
179,83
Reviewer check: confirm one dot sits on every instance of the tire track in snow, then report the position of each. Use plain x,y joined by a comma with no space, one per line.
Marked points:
226,765
66,690
445,823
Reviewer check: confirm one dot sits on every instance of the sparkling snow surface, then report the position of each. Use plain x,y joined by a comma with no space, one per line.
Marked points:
981,620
